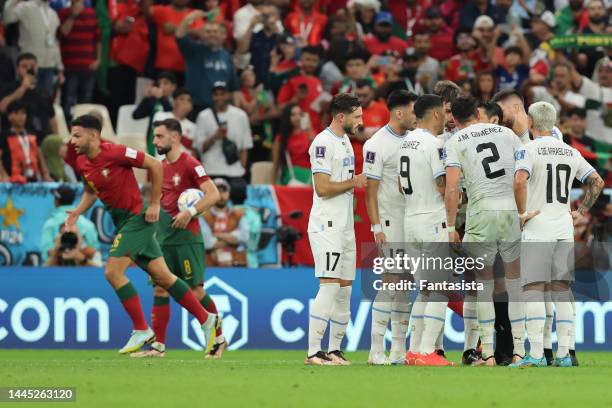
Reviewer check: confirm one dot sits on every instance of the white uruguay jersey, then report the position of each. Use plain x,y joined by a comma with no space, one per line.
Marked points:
485,154
420,164
380,158
552,166
333,155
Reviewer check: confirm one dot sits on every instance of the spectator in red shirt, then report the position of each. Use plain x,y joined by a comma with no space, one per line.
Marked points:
293,141
375,116
305,88
409,14
306,24
129,51
81,51
381,39
166,18
441,35
464,65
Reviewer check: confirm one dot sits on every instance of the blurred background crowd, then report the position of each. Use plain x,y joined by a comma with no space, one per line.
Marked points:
250,81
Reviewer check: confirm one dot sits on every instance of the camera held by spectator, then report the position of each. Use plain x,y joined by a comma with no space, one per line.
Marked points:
71,250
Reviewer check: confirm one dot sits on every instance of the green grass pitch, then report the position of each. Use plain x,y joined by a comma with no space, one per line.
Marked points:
279,378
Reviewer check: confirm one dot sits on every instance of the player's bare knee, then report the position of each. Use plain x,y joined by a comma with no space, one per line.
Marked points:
158,291
159,272
559,286
198,291
539,286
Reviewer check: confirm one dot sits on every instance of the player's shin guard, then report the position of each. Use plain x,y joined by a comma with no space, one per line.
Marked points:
131,302
564,320
470,322
184,296
209,304
319,315
550,314
416,321
486,316
160,316
535,316
434,317
516,314
339,318
381,311
400,318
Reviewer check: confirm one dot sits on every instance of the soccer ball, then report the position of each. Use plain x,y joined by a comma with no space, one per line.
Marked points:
188,198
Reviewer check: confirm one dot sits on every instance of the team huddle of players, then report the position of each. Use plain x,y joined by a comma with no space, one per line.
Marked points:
448,174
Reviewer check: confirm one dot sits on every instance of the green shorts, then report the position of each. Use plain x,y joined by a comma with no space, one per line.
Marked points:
136,240
186,262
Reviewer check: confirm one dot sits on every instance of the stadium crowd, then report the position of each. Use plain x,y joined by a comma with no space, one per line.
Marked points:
251,81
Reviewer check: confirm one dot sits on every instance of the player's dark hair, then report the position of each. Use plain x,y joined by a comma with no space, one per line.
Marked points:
425,103
181,91
88,121
492,109
505,94
344,103
16,106
400,97
172,125
463,108
580,112
447,90
513,50
26,56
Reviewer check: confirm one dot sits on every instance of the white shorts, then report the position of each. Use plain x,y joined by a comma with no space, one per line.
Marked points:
393,227
334,253
426,236
547,261
488,232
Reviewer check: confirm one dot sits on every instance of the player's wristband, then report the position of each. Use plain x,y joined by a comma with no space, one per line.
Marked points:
192,210
450,228
376,228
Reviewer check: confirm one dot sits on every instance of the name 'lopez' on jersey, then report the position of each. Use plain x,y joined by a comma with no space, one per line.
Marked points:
332,155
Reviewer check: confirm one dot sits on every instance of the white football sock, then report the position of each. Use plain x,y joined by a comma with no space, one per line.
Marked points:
486,316
416,321
573,336
400,318
339,318
319,315
550,314
535,316
565,321
381,310
434,317
516,314
470,322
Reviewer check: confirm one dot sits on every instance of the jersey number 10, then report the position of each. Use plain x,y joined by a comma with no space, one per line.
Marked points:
562,196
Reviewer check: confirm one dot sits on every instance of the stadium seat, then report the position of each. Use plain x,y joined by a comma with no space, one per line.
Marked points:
142,84
126,124
261,173
62,126
138,142
107,126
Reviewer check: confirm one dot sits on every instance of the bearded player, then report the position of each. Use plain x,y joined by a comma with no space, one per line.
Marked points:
385,205
179,234
331,229
107,169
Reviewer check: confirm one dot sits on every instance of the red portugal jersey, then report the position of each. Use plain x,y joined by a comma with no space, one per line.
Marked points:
185,173
111,177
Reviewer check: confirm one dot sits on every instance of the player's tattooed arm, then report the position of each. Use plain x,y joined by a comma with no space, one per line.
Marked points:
441,184
594,186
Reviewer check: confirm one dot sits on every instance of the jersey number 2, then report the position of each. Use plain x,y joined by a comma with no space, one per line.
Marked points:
486,162
562,196
405,173
328,256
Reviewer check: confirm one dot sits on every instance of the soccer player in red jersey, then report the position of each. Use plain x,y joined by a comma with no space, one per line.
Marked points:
179,232
108,172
